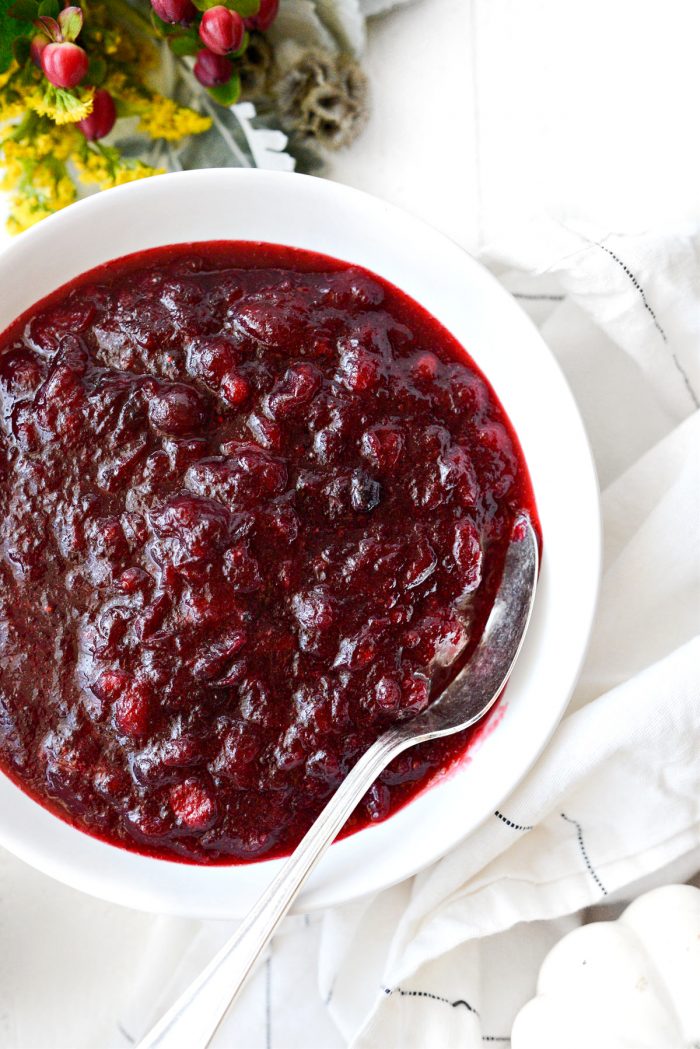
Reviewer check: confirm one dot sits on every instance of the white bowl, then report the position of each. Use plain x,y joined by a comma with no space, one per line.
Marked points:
326,217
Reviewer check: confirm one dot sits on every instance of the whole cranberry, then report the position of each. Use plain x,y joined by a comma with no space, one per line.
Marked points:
221,30
234,388
64,65
101,120
38,44
212,70
175,409
132,709
176,12
267,13
193,805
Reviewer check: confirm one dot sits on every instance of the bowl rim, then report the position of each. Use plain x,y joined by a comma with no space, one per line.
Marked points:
202,891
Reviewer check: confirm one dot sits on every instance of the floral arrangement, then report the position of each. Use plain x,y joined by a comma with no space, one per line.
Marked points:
96,95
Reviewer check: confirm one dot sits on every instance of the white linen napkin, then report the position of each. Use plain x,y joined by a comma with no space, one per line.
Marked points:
447,958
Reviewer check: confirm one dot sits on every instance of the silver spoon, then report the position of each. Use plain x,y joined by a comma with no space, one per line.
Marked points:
195,1017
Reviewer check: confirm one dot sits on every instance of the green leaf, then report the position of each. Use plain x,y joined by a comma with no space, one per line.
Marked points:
10,28
163,29
24,10
227,94
49,8
70,20
242,49
184,45
49,27
97,70
245,8
124,109
21,49
156,23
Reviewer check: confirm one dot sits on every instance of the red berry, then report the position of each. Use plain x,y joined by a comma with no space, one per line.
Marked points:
416,693
175,409
267,13
221,30
193,805
133,580
467,553
425,367
38,44
212,70
388,694
382,445
101,120
64,65
110,684
359,369
234,388
176,12
132,710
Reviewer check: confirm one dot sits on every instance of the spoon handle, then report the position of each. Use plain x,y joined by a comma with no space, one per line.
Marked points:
192,1021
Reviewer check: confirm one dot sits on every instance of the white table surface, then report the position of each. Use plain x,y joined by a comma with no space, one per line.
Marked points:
491,113
488,114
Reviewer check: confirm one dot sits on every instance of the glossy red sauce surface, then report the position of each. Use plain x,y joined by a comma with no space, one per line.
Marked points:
253,507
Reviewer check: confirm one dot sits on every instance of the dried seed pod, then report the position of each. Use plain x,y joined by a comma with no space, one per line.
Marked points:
322,98
255,67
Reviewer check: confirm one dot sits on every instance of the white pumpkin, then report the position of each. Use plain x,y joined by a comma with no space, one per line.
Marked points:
632,983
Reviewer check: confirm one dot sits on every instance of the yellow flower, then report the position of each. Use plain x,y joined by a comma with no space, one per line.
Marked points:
10,109
92,169
37,187
58,143
11,175
44,159
15,155
104,171
116,82
64,194
122,48
163,118
24,213
63,107
41,141
11,104
9,72
139,170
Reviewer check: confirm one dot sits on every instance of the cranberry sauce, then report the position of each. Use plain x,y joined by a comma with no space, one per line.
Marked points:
254,505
